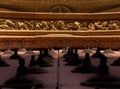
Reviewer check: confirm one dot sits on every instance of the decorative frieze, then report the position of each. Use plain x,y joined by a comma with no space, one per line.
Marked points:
16,24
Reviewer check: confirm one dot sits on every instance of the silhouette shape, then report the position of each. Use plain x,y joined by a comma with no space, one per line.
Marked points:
34,68
74,59
103,77
69,54
41,60
32,61
22,69
98,54
22,80
85,66
103,69
47,56
15,55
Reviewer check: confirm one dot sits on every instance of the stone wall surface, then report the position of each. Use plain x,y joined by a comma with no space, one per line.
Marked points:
75,6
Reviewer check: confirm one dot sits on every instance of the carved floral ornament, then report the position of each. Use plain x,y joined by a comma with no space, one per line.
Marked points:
12,24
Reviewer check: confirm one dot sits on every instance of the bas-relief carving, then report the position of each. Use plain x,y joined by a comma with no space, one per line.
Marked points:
12,24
